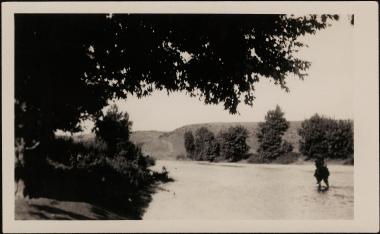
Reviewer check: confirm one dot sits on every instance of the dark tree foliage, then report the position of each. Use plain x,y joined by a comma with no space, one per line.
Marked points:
327,137
50,60
68,66
232,143
189,144
271,145
206,146
113,128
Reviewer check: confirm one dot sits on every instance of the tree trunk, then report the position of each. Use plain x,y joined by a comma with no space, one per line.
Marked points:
20,188
19,163
20,167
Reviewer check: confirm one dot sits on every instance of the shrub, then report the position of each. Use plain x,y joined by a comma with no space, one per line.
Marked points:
108,170
181,157
94,177
162,176
287,158
82,171
134,172
271,145
326,136
150,160
254,158
63,149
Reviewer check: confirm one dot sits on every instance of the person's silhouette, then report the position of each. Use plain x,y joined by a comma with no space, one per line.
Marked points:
321,172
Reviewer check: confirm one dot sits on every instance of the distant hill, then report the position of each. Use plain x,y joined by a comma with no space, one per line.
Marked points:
168,145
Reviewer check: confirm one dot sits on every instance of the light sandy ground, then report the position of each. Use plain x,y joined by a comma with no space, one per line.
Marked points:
251,191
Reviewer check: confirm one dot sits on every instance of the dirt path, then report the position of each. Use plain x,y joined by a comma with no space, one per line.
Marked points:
247,191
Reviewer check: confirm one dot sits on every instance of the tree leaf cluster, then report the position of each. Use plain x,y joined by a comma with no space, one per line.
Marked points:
206,146
271,131
67,66
113,128
326,137
233,146
228,145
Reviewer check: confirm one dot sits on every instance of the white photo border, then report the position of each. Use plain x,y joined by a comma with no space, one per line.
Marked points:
366,117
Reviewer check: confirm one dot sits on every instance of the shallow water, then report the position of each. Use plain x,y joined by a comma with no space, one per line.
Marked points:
251,191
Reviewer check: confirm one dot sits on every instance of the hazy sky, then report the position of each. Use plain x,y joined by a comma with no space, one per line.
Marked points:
328,90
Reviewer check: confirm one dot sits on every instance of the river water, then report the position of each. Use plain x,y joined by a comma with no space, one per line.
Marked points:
251,191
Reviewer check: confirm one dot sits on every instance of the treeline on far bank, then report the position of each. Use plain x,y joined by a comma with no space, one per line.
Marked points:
319,137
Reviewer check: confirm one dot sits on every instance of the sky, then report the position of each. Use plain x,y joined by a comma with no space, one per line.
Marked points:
327,90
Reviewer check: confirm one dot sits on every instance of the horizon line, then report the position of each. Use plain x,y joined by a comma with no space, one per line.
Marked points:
226,122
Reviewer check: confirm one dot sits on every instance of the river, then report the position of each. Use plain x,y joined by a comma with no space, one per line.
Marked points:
231,191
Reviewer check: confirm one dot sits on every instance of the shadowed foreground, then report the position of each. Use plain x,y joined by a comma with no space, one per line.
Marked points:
251,191
44,208
49,208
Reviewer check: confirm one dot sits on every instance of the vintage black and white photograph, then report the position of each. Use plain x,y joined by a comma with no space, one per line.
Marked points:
172,116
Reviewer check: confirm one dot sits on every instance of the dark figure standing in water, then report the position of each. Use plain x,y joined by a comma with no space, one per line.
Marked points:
321,172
